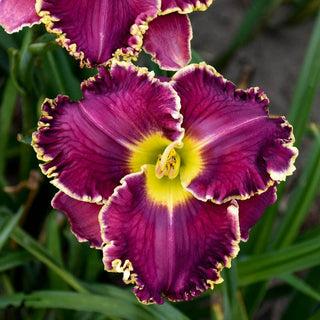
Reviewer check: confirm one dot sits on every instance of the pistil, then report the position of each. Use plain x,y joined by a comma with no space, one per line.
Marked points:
169,162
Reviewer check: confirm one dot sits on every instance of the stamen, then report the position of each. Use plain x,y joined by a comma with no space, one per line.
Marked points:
169,162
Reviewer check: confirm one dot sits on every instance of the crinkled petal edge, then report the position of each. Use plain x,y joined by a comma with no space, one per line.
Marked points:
189,8
125,267
129,54
260,96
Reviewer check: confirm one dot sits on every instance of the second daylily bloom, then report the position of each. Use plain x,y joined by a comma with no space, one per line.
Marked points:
14,15
93,31
166,177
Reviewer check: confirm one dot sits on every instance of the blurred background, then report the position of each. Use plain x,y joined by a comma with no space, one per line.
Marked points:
46,274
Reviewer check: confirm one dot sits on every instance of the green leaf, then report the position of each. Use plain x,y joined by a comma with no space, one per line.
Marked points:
54,246
301,306
93,303
283,261
40,48
240,312
229,289
307,85
300,285
14,300
38,251
301,200
65,73
53,237
9,226
14,259
6,114
166,309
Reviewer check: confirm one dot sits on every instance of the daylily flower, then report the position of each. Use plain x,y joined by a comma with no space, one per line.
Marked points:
93,31
165,177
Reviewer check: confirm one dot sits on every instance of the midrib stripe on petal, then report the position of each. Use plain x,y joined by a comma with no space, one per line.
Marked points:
202,143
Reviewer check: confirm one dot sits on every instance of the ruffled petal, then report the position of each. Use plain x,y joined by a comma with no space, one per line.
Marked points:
14,15
184,6
164,240
243,150
93,30
168,40
83,217
87,145
251,210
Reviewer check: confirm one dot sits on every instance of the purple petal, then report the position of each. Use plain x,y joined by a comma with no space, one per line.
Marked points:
243,150
93,30
87,145
168,40
251,210
185,6
83,217
14,15
173,246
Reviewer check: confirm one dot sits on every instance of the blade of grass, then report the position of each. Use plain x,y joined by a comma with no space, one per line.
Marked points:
166,309
8,227
56,73
111,307
6,114
301,200
229,290
301,286
14,259
55,249
307,85
14,300
253,295
71,83
300,256
24,74
240,312
53,238
38,251
301,306
6,284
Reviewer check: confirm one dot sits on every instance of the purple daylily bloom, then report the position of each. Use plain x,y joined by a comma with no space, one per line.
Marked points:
165,177
93,31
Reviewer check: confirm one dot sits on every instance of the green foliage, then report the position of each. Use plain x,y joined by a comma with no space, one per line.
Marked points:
46,274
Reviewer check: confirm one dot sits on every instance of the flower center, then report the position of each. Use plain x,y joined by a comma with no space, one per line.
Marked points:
168,163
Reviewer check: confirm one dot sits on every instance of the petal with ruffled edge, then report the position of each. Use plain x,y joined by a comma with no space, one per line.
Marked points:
83,217
184,6
168,40
93,30
251,210
166,241
14,15
242,150
87,145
